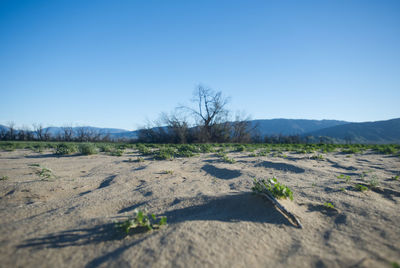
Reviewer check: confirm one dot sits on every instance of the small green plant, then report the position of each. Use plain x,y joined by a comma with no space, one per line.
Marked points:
252,155
361,187
344,177
329,205
45,173
229,160
263,153
275,188
342,189
317,157
34,165
373,182
221,154
4,178
240,148
395,264
313,184
363,175
170,172
396,178
141,222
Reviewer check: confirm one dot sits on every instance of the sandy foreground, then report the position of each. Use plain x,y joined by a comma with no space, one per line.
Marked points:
213,218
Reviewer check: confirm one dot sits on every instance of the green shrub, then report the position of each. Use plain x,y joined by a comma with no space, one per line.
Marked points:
107,148
164,154
65,148
117,152
143,149
87,148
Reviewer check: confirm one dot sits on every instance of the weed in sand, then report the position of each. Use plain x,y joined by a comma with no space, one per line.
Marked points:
141,223
329,205
229,160
395,178
373,182
344,177
275,188
170,172
361,188
4,178
317,157
45,173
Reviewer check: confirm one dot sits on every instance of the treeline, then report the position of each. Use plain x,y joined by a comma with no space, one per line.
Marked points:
40,133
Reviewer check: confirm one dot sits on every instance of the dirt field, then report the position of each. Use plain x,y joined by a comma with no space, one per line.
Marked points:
65,217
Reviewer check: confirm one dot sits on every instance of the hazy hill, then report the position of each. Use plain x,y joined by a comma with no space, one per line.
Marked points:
293,126
367,132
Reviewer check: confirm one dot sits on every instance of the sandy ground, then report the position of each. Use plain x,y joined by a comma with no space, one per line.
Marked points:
213,218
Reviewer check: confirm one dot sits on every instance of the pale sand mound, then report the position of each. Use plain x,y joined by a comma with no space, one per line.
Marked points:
213,219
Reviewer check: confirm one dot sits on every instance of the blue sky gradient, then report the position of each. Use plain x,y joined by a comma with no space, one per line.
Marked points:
120,63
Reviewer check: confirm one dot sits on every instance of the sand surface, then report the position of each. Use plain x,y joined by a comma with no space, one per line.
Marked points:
213,218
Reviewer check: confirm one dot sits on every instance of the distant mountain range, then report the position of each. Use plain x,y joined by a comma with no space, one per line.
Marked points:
378,132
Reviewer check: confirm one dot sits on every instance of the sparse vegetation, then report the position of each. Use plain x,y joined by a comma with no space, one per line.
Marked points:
170,172
141,222
4,178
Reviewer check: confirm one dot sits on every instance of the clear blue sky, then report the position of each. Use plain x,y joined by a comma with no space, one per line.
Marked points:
119,63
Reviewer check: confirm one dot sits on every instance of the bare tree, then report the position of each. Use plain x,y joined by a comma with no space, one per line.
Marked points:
11,134
210,113
82,134
67,133
178,128
242,129
39,131
3,133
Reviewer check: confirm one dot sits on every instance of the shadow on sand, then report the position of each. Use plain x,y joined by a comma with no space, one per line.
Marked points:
281,166
230,208
221,173
75,237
